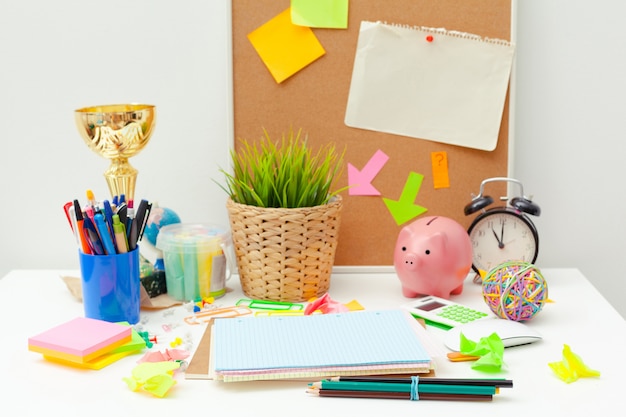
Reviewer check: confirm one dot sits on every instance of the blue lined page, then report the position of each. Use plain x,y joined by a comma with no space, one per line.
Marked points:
344,339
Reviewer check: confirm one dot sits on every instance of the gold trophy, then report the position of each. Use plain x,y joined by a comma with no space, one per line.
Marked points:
117,132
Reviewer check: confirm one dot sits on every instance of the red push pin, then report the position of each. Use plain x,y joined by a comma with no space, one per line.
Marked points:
429,38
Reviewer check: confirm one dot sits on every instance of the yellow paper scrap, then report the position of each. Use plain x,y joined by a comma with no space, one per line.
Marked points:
285,48
153,377
331,14
572,367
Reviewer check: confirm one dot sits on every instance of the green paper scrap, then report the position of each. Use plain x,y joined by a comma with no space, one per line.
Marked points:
572,367
490,350
330,14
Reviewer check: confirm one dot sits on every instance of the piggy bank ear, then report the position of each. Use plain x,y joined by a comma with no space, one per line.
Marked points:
438,241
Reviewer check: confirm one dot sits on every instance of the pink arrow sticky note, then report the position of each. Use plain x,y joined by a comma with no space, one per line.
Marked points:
360,182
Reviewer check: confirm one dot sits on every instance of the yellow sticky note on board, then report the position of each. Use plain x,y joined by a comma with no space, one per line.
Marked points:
320,13
439,162
285,48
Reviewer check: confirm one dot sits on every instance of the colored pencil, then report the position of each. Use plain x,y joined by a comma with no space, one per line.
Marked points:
398,395
495,382
422,388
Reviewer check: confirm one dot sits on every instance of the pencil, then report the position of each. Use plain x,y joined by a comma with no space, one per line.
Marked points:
495,382
421,388
398,395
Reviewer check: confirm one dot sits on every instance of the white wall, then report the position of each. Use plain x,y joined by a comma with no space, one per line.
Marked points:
56,56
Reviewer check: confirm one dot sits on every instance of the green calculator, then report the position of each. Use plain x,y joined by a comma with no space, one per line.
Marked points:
443,313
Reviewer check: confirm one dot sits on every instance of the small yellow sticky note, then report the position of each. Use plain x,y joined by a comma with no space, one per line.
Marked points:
439,162
285,48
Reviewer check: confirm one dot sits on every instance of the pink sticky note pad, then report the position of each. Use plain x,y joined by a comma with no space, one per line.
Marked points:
81,339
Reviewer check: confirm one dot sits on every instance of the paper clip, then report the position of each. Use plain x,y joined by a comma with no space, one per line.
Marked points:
279,313
270,305
207,315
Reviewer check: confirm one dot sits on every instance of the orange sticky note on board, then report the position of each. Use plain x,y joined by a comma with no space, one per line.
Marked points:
439,162
284,47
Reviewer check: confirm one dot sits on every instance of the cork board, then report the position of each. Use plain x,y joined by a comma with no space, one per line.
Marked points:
314,100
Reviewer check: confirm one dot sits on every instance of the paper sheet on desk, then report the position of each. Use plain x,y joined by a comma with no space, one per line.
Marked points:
161,301
430,84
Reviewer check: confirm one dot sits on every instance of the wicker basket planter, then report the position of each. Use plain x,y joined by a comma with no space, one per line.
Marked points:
285,254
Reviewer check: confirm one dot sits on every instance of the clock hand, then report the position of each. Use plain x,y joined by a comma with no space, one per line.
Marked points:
500,244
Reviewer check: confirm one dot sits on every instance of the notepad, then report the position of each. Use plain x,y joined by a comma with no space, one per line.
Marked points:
80,340
354,343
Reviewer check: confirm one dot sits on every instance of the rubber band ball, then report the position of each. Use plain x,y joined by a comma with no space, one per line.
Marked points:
515,291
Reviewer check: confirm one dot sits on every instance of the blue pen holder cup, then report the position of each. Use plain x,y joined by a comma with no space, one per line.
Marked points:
111,286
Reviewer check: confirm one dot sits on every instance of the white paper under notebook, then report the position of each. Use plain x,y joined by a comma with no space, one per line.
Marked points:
432,84
354,343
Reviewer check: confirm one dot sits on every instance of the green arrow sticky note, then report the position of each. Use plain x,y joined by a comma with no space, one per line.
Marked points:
405,208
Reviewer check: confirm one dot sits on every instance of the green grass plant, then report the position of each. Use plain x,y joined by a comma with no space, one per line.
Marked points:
283,173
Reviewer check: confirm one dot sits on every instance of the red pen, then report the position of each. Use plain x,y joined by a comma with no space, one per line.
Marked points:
66,208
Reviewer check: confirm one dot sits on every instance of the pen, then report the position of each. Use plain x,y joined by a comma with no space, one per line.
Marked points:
130,215
145,221
91,199
91,235
103,232
80,231
137,224
67,208
108,217
120,234
89,212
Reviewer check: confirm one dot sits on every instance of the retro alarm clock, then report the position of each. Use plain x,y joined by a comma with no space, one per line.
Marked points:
504,233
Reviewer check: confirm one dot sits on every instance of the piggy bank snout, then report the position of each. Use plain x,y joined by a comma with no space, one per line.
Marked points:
409,261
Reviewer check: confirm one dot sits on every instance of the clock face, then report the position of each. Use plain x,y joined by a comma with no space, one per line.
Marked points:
502,235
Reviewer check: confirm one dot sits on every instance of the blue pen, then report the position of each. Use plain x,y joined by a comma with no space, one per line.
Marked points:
91,235
105,236
108,216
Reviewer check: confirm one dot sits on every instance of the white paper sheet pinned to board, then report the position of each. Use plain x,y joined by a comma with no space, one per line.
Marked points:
427,83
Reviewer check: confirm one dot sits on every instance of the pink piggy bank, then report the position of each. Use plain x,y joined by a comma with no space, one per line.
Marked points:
433,255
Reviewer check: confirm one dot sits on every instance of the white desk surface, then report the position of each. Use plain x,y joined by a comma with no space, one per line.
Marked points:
33,301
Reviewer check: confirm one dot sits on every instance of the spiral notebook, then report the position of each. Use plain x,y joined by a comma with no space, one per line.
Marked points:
320,345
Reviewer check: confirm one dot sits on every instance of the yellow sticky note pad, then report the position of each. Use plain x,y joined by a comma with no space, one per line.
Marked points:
439,162
285,48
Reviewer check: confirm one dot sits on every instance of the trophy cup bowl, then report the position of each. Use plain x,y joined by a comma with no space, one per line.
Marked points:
117,132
